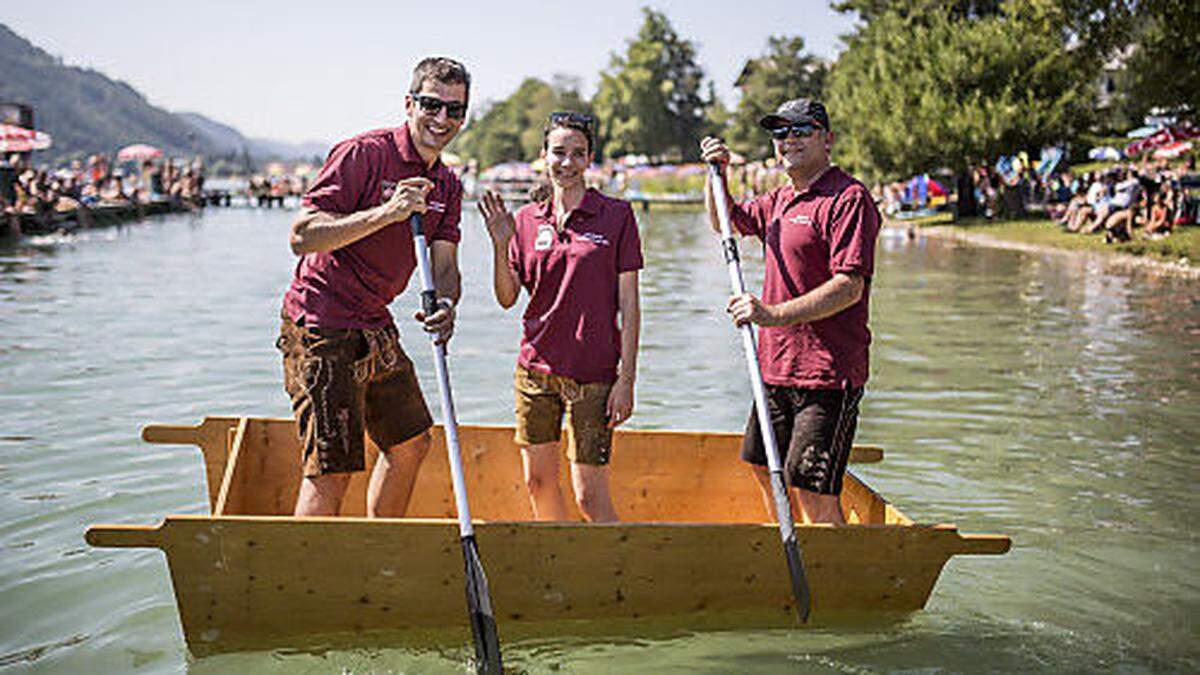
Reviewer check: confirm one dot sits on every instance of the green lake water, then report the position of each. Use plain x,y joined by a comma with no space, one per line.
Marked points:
1039,396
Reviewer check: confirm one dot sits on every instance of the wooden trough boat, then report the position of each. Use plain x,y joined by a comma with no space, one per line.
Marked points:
695,544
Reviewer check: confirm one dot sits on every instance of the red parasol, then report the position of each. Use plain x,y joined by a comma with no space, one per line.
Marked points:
138,152
1163,137
19,139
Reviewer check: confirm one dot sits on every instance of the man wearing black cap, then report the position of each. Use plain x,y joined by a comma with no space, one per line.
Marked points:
818,234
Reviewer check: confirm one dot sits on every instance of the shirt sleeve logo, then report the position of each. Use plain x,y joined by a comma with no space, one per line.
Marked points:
545,238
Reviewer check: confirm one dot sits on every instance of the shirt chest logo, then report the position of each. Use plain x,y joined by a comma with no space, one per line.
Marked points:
545,238
800,220
595,237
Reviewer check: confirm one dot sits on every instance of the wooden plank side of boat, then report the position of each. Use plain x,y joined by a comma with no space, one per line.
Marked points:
268,580
694,542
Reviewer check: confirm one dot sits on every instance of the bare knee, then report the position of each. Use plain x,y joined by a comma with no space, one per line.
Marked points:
592,494
590,499
537,483
414,449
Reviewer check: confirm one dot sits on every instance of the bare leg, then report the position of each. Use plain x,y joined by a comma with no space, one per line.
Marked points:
392,480
322,496
541,476
819,508
592,494
768,494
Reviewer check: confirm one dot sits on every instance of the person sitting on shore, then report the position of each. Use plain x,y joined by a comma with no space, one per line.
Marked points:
1092,213
1119,222
1076,200
113,192
1158,222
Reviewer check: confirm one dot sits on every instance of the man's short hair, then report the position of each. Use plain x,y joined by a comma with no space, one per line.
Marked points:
442,69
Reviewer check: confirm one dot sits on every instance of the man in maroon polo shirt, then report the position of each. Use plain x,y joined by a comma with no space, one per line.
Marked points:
818,235
344,368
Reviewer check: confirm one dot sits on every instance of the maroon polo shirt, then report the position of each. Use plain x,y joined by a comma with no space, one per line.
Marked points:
808,237
351,287
570,325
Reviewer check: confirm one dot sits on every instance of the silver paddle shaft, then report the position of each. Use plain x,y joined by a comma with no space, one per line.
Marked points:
783,508
450,422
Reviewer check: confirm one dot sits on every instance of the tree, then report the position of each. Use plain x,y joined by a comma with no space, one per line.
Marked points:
512,129
784,72
917,91
1162,70
649,101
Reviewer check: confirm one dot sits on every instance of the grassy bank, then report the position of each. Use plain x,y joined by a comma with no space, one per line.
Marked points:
1183,244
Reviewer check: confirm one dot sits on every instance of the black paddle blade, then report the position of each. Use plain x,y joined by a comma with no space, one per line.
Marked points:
791,550
479,604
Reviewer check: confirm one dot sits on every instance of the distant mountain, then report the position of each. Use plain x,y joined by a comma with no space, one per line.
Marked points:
271,149
230,141
87,112
224,138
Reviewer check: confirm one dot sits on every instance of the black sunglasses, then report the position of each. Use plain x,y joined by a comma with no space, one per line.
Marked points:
573,118
800,130
455,110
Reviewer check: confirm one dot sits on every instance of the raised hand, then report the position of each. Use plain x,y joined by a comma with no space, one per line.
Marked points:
499,219
713,149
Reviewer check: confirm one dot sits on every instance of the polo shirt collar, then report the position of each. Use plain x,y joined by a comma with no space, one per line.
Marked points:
590,204
817,187
408,151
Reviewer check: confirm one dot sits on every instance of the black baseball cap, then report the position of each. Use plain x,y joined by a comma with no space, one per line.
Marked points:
797,111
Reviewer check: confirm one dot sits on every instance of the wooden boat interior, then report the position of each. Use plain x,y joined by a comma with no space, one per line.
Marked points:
253,468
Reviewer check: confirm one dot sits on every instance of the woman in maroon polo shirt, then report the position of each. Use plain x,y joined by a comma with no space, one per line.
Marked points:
577,253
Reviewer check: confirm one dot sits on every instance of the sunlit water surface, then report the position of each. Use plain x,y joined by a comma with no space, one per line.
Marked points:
1038,396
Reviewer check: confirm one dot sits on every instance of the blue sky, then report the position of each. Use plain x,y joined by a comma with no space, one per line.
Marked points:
304,70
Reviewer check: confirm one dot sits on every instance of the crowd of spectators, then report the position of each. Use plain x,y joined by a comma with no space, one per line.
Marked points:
46,197
1124,201
1136,199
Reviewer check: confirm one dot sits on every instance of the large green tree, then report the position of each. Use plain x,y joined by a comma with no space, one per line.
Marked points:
650,99
1164,67
916,91
511,130
784,72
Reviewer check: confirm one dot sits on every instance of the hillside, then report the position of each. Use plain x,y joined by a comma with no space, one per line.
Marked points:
88,112
84,110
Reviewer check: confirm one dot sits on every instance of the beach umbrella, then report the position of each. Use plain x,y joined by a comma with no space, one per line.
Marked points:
1104,152
1173,150
138,152
1162,138
1142,132
19,139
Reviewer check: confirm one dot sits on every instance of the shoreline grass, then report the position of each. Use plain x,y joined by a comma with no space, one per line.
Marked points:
1182,247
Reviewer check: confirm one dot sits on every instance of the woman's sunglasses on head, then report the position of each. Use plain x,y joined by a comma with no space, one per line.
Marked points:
799,130
455,110
573,119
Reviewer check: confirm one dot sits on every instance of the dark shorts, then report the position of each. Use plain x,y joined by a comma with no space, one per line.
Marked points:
542,399
814,429
344,381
